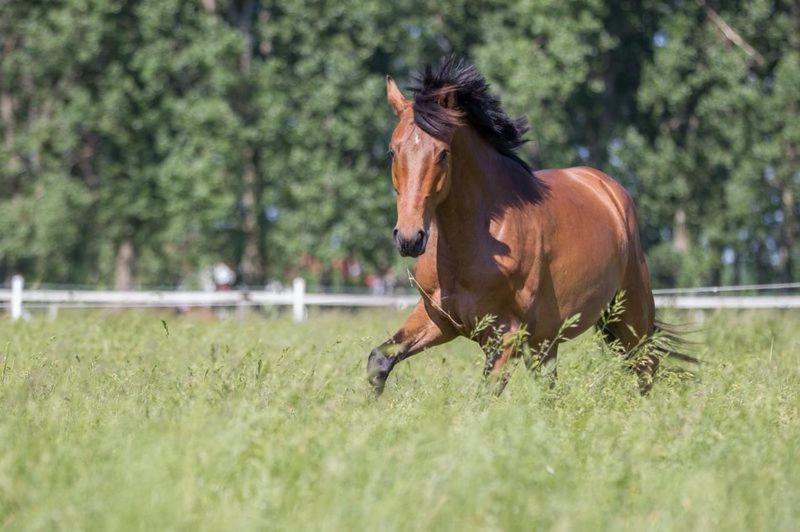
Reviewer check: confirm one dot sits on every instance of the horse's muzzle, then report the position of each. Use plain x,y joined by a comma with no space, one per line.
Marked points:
412,246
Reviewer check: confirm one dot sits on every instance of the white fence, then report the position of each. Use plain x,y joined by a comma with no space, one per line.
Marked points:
17,299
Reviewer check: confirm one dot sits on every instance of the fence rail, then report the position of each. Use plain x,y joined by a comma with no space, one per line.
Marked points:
727,289
17,299
727,302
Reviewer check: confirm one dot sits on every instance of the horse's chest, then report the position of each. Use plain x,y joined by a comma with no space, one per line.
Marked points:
469,289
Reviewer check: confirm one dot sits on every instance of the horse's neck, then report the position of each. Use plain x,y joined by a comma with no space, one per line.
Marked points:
477,182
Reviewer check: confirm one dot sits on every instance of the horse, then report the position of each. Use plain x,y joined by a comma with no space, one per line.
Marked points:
492,237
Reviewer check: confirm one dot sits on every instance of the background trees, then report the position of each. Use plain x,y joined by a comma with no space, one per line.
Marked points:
144,140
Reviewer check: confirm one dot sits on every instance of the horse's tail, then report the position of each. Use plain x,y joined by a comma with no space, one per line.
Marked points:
670,341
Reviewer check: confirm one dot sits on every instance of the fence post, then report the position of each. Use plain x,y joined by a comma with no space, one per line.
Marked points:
17,282
298,295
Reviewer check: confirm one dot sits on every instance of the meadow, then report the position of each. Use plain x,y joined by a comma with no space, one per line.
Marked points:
122,421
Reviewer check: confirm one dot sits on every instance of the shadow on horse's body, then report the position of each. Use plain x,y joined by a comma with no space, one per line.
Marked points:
494,238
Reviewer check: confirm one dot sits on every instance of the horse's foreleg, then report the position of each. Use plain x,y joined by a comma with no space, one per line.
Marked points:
418,332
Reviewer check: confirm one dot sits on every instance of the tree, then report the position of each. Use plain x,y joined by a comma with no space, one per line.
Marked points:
703,162
143,140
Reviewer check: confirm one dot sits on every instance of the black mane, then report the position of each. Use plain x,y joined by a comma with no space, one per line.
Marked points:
458,82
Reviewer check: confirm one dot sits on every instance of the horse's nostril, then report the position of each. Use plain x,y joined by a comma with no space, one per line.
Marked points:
412,243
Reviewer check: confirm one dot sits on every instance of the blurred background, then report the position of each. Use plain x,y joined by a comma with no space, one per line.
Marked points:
164,143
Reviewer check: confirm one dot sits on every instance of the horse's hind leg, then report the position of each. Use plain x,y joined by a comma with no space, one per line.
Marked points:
542,360
632,326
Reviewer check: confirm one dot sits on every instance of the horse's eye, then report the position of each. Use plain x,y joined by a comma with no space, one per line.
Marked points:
390,155
443,157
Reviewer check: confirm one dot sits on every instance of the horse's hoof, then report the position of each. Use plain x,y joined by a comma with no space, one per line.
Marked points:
378,368
377,386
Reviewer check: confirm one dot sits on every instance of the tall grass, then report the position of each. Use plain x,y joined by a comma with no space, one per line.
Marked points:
120,422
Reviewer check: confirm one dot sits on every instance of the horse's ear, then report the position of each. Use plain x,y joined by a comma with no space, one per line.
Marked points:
395,97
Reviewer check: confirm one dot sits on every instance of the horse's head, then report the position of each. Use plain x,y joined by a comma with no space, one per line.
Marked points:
420,174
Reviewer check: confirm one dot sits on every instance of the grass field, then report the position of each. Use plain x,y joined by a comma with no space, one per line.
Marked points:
114,421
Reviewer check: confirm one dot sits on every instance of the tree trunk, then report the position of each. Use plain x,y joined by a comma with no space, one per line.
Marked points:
680,238
8,121
7,117
123,270
788,235
252,264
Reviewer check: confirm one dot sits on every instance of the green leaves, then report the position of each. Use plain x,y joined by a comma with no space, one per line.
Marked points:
255,132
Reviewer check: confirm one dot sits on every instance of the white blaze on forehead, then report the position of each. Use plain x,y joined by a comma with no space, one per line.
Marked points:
411,135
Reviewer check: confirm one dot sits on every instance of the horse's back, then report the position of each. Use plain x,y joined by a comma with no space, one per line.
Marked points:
593,181
590,202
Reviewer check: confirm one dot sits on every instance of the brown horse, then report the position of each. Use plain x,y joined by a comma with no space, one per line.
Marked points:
493,237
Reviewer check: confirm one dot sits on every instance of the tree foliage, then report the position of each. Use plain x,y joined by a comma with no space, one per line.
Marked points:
143,140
